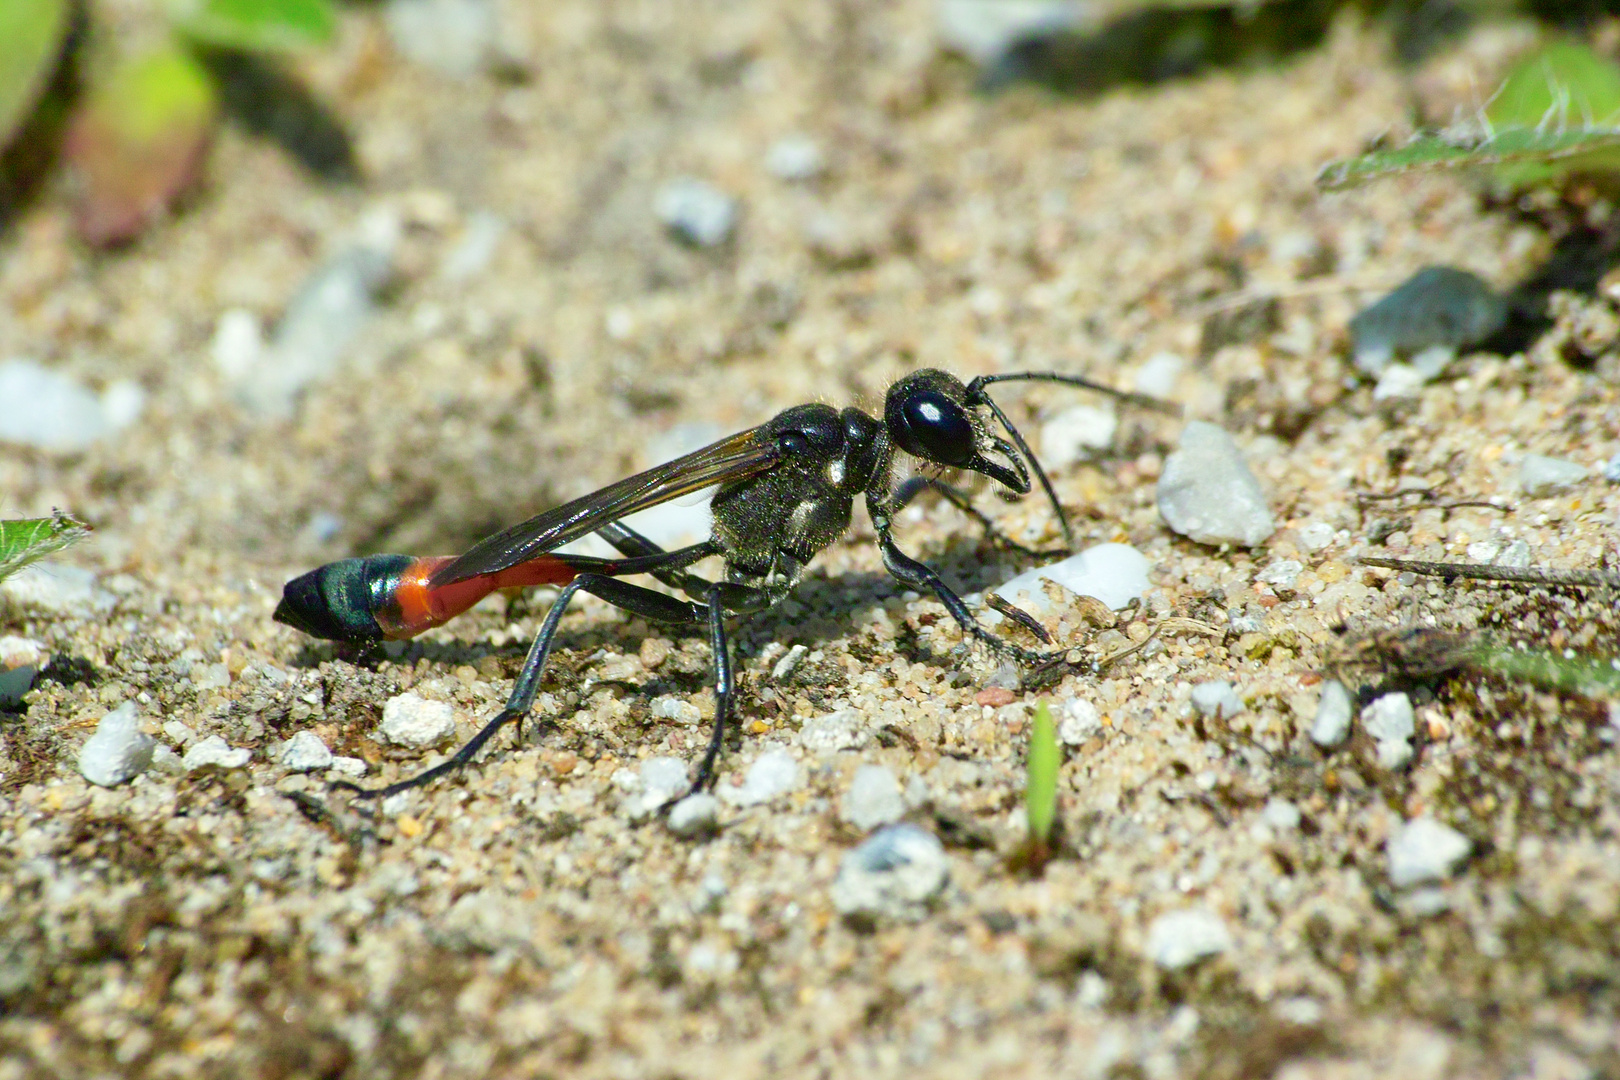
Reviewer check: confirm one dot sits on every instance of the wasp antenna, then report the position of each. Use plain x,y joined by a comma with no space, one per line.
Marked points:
975,389
1029,456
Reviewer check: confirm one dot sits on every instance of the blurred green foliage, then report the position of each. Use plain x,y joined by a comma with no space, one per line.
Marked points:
1040,792
1557,113
30,39
137,135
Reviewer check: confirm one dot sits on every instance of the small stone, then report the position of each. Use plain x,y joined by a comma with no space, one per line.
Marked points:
1282,573
453,37
1540,475
410,720
1389,718
1393,754
773,773
696,815
1424,850
1398,381
794,158
788,664
1005,677
305,752
178,733
1611,470
1179,939
873,799
214,750
322,320
475,249
842,730
1116,574
21,661
44,408
698,213
351,767
238,343
1439,305
1075,433
1280,814
1079,722
1332,724
893,874
119,751
1315,536
1157,376
1216,699
486,921
1207,493
994,697
675,709
1516,554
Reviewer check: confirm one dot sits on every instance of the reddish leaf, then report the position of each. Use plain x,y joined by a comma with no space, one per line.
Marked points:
137,141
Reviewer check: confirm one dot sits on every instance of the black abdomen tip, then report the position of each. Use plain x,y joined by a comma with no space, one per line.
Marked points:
335,601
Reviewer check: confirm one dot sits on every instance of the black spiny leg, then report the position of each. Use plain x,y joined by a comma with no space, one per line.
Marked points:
636,599
919,576
913,486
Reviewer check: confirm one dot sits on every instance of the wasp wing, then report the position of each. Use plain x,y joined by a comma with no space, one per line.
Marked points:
735,458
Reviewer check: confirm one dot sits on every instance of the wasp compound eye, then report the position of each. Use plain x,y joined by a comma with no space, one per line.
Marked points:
793,443
930,425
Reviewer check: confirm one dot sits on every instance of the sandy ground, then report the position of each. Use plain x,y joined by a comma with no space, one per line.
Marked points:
518,921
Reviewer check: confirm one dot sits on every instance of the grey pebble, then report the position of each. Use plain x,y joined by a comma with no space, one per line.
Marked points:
1540,475
873,798
1425,850
1389,718
697,212
1333,710
695,815
413,721
214,750
305,752
119,751
830,732
893,874
1437,306
1216,699
1179,939
1207,493
21,661
1611,469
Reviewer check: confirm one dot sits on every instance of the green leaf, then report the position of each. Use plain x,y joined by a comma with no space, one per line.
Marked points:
137,140
30,41
1554,152
1564,87
256,25
1040,796
1551,670
27,540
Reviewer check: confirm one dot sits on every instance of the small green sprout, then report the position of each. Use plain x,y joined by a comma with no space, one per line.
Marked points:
27,540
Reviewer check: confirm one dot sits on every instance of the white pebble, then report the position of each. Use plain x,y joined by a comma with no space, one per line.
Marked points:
1425,850
453,37
21,661
1073,434
1315,536
1207,492
1216,699
1080,721
238,343
834,731
696,212
1332,724
1280,814
894,873
44,408
305,752
675,709
1116,574
794,157
1389,718
214,750
410,720
1179,939
119,751
873,799
351,767
1611,469
773,773
1540,475
696,815
1281,572
1157,377
788,664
